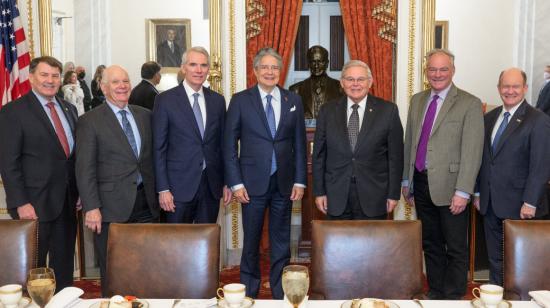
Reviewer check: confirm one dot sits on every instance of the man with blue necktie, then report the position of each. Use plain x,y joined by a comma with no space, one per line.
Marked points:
515,167
443,147
265,163
114,163
188,123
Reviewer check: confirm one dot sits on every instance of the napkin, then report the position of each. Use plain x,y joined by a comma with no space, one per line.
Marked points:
541,297
287,304
201,303
65,298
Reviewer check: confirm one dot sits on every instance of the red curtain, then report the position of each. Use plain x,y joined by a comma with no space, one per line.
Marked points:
278,28
365,44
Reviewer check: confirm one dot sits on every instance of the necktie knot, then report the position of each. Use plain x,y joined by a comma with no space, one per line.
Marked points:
268,98
196,96
506,115
50,105
355,106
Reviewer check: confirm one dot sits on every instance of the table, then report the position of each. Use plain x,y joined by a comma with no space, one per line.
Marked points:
167,303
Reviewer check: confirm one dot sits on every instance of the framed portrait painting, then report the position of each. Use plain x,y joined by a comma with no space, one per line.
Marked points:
168,39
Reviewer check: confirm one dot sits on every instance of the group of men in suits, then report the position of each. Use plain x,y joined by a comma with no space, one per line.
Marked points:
188,153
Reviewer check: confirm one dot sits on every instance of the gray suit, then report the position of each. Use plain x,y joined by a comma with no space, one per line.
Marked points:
107,172
453,158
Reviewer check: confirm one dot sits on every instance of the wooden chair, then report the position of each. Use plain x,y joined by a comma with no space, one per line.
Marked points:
18,250
526,257
356,259
163,260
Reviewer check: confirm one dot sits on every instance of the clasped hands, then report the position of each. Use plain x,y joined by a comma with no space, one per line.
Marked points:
242,195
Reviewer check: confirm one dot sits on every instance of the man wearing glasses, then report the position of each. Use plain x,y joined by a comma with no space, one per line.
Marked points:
358,151
443,147
265,166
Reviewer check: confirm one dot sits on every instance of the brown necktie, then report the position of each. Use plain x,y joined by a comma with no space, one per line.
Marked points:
59,129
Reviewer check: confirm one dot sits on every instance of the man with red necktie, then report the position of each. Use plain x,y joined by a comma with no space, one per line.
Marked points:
37,166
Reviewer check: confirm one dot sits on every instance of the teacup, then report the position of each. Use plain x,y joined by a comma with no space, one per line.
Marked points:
10,295
233,294
489,294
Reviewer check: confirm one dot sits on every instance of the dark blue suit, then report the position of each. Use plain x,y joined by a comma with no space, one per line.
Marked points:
543,102
515,172
247,123
179,153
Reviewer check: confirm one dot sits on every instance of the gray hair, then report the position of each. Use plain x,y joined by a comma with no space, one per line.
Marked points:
436,51
354,63
267,51
198,49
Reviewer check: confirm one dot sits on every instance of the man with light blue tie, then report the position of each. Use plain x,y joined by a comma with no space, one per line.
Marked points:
515,167
115,163
265,163
443,147
188,123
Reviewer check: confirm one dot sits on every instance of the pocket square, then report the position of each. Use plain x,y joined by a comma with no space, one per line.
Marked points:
293,108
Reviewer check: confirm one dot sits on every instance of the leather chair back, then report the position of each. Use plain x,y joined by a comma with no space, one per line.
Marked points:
163,260
356,259
526,257
18,250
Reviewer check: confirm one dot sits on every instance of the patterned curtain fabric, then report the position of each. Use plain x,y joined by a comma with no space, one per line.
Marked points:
271,23
365,44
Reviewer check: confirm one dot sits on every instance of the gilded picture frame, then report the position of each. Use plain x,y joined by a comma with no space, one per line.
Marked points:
167,40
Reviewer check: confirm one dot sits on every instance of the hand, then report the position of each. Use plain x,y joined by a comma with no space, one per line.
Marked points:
166,201
26,211
476,202
390,205
527,212
93,220
458,205
407,195
297,193
78,204
227,195
241,195
322,203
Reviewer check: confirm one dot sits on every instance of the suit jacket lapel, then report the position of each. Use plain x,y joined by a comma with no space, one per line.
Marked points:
368,119
187,110
114,126
209,111
141,128
38,110
68,114
513,124
342,121
423,102
285,109
489,129
256,100
447,105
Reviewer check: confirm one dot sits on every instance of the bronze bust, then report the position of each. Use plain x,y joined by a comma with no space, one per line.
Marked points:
319,88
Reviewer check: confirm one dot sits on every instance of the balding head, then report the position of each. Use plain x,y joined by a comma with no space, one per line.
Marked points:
512,87
115,84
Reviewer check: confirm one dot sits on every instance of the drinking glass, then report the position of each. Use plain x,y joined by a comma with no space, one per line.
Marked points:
295,283
41,285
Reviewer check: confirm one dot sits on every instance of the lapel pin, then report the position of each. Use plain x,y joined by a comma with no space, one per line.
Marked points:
518,120
370,109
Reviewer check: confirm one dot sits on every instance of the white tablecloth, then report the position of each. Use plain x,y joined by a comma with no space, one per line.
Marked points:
167,303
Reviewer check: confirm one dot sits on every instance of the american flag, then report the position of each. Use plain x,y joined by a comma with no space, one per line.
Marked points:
14,57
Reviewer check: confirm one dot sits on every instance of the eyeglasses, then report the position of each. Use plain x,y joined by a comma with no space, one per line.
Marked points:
354,80
269,67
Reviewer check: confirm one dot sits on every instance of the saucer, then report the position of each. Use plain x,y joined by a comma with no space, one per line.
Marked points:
349,303
476,302
23,302
247,302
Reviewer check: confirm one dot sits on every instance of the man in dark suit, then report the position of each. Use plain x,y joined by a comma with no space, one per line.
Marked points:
319,88
543,102
358,147
269,170
188,123
515,166
145,92
114,162
81,73
443,147
169,52
37,166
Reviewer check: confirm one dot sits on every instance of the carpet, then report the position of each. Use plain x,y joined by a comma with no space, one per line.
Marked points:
92,287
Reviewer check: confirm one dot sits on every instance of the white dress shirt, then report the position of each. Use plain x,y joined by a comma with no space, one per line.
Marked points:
202,102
